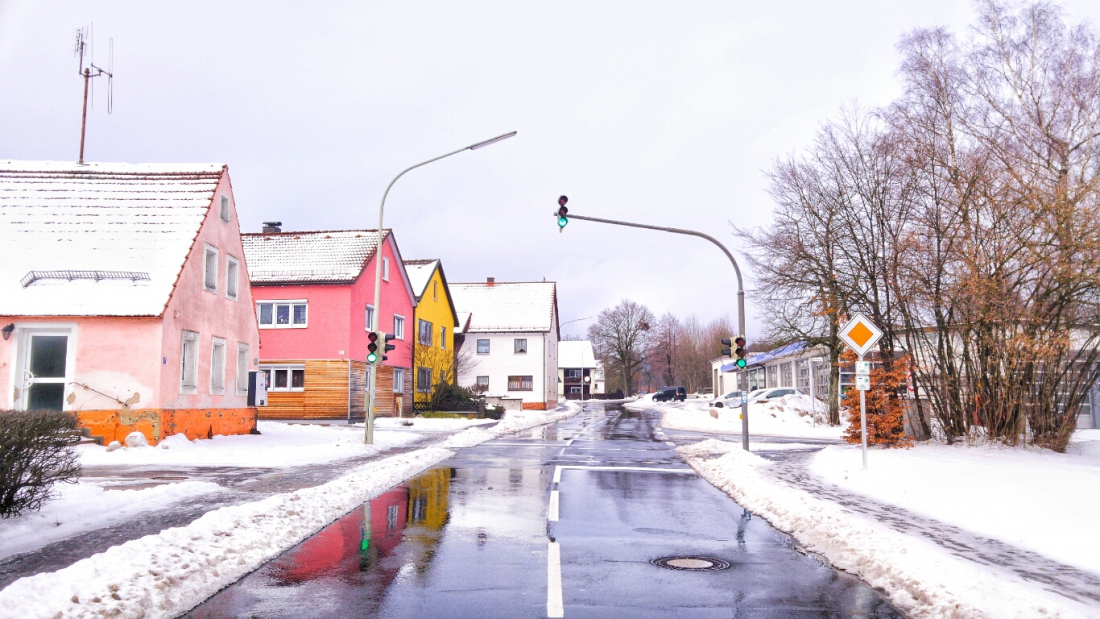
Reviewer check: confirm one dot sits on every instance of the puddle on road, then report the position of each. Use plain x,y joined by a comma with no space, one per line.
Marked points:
394,534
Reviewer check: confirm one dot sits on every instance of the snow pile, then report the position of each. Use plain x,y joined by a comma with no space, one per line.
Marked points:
1029,498
788,416
922,579
166,574
278,445
426,424
83,506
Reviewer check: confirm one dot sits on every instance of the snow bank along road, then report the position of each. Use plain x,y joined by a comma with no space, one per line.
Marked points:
926,579
166,574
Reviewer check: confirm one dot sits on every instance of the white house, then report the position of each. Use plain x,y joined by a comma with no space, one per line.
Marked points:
580,375
511,332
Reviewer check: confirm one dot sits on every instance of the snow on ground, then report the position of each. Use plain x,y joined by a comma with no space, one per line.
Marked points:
85,506
166,574
786,416
923,579
278,444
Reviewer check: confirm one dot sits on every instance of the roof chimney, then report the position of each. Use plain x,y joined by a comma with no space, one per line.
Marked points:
489,281
273,226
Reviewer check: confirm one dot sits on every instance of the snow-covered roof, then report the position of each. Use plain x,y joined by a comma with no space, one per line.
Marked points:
759,359
420,273
315,256
576,354
106,239
507,306
463,322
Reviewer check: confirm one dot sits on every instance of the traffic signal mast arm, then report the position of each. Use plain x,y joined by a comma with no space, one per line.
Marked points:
564,216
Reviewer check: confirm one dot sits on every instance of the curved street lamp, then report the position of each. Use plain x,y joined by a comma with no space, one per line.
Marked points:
368,437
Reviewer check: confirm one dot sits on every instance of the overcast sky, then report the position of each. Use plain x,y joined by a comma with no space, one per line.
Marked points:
663,113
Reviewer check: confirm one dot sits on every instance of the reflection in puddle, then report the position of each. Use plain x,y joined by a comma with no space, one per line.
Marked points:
395,534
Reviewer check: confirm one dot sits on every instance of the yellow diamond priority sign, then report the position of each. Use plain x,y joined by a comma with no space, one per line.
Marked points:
860,334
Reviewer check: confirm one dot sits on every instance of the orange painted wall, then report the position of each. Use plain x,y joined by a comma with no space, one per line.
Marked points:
157,424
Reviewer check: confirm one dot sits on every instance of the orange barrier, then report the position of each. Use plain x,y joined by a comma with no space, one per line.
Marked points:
156,424
534,406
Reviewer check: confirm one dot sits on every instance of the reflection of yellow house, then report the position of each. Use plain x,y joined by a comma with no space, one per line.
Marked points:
428,498
433,328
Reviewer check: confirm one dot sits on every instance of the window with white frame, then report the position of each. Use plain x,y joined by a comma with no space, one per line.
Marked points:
368,318
521,345
189,362
399,326
210,271
442,375
424,380
573,373
443,338
225,208
521,383
242,367
232,271
283,314
574,390
385,268
217,365
285,377
424,332
483,347
482,383
399,380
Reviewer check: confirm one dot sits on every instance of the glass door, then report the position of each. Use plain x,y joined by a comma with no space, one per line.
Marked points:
44,371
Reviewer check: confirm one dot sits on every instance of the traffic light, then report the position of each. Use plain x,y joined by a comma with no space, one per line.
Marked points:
386,338
740,352
372,348
727,342
562,212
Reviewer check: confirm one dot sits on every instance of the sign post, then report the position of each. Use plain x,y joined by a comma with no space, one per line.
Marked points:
813,391
860,334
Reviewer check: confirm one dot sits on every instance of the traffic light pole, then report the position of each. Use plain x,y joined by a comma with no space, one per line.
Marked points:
740,300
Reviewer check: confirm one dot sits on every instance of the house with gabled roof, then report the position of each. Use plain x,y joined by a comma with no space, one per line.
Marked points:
435,318
314,295
512,334
123,297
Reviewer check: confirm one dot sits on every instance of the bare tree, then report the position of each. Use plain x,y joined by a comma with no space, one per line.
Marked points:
621,338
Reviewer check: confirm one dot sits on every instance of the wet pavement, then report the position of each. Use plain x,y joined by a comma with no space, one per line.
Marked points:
574,519
240,484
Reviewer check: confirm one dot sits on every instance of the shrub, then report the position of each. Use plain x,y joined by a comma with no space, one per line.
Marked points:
450,397
885,411
36,451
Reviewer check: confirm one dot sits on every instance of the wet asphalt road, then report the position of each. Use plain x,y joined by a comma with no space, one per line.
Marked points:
479,536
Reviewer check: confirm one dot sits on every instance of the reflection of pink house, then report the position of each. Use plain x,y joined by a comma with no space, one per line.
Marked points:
314,295
123,297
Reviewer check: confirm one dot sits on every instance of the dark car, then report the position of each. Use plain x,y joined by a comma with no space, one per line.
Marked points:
670,393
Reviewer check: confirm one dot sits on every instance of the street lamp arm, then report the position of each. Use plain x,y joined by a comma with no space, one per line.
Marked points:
733,261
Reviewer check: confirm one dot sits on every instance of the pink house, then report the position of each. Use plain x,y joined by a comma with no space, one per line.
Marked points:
123,297
314,293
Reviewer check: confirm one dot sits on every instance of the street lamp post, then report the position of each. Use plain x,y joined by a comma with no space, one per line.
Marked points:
564,216
368,437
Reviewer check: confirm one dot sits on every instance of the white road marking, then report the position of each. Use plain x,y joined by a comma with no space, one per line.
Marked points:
552,515
554,605
557,474
641,469
670,443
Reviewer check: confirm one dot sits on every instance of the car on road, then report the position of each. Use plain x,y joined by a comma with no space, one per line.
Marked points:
731,399
763,395
669,394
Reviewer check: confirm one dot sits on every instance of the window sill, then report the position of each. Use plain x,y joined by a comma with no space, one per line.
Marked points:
189,390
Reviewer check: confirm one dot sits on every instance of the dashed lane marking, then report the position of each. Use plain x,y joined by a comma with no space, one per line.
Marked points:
554,605
552,512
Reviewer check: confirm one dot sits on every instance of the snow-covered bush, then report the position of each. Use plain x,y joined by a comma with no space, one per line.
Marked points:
36,451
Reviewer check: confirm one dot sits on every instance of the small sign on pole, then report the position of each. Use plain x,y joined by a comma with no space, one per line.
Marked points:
860,334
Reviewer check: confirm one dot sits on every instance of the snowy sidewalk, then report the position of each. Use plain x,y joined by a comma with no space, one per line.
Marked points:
1065,580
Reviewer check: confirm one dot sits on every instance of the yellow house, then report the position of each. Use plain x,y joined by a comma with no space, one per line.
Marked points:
434,320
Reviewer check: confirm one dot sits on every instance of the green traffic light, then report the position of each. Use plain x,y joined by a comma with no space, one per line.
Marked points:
371,358
562,221
741,363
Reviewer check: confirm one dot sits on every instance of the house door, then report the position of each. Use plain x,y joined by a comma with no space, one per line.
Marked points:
44,371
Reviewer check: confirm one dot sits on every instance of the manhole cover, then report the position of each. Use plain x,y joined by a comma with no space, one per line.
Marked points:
691,563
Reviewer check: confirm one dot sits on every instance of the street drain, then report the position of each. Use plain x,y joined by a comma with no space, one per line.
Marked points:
692,564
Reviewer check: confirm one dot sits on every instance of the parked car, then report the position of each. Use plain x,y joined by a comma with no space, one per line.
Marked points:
731,399
762,395
669,394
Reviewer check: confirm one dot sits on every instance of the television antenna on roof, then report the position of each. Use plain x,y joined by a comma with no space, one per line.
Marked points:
83,46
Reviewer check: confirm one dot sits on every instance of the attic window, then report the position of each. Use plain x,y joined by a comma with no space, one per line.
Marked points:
34,276
225,208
